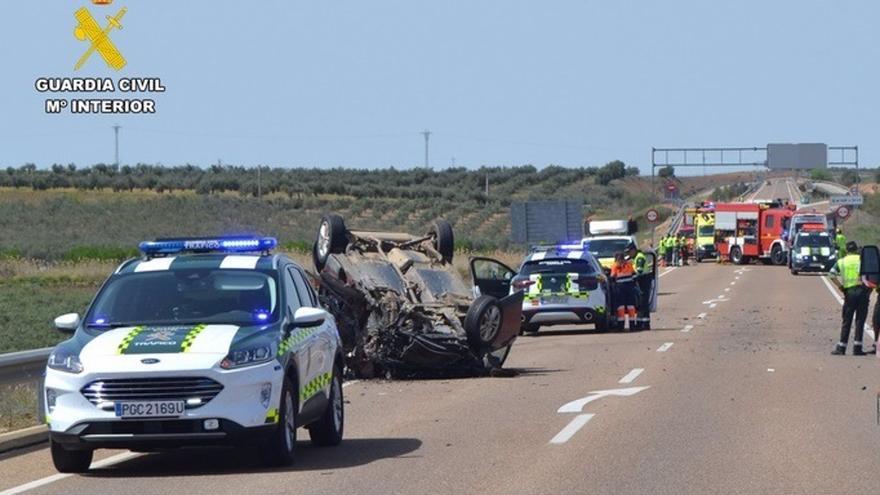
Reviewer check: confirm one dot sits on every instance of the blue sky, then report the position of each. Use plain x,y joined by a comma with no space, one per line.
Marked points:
504,82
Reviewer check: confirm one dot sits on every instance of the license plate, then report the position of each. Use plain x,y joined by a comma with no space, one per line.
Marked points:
150,409
554,300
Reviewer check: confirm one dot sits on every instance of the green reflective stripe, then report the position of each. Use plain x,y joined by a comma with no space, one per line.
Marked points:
294,339
123,346
641,262
849,270
316,385
272,416
191,336
600,310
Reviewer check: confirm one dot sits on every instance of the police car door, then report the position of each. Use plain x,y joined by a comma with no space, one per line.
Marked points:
870,264
322,342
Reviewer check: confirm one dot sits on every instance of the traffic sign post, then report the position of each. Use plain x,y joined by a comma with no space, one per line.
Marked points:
843,212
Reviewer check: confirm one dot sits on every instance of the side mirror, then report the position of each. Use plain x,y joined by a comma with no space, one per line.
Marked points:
870,261
309,317
67,323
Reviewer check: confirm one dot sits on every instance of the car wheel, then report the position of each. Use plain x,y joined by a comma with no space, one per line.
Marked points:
495,359
332,238
70,461
777,256
794,272
482,323
736,256
444,240
281,445
327,431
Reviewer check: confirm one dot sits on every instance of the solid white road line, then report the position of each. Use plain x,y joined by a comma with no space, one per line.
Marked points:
701,316
687,328
632,375
868,331
712,306
667,271
571,428
665,347
60,476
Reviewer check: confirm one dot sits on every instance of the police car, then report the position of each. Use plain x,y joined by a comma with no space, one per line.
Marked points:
562,285
199,342
812,250
609,237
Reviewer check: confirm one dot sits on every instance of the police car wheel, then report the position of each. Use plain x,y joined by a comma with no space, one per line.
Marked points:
70,461
280,447
327,431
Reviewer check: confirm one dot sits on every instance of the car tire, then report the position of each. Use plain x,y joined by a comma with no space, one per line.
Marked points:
70,461
794,272
736,256
482,323
332,238
444,239
280,447
777,256
327,431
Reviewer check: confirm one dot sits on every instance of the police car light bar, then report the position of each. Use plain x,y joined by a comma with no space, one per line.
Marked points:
220,244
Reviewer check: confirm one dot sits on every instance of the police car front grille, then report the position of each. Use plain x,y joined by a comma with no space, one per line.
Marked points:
105,392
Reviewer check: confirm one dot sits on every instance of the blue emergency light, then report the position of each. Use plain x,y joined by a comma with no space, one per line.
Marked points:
204,245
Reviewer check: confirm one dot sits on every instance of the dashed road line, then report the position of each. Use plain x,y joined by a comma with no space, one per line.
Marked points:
665,347
712,306
727,289
632,375
701,316
687,328
667,271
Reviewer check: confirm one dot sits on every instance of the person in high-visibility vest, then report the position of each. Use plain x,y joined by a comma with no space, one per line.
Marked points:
624,275
661,250
840,241
644,281
855,301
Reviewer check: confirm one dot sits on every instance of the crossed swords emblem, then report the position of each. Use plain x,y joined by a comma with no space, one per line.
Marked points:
89,29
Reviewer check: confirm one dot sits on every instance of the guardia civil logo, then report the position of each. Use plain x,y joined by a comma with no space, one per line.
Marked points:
88,30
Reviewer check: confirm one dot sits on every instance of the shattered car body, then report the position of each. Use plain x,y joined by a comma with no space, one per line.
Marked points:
403,310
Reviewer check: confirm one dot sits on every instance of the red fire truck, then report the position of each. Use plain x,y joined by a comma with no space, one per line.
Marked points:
747,231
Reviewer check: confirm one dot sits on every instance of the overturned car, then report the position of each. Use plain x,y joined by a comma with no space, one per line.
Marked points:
403,310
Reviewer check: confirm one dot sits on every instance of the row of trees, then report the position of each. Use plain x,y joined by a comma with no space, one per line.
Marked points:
453,183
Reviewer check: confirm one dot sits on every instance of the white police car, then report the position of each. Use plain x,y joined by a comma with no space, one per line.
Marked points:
199,342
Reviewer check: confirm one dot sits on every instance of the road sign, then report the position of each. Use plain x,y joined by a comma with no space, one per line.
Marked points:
843,212
846,200
854,189
652,215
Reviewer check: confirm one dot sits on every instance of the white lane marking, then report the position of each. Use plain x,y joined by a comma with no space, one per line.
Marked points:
60,476
722,296
869,331
577,406
571,428
632,375
727,289
667,271
687,328
736,278
701,316
712,306
733,283
665,347
352,382
771,370
713,301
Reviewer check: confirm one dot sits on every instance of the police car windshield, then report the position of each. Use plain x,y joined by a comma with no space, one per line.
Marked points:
236,297
606,248
558,265
812,240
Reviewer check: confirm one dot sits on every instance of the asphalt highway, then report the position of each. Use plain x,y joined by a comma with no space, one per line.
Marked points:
734,391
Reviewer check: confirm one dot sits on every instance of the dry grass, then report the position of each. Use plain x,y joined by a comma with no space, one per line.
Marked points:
18,406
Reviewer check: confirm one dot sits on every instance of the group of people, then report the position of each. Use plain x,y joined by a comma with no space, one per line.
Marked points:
857,297
673,250
632,288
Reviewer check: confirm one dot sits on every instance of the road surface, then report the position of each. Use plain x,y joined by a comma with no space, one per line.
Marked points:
782,188
734,391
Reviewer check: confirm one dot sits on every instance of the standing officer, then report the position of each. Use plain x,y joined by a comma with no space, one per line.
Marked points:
840,240
855,300
644,280
624,275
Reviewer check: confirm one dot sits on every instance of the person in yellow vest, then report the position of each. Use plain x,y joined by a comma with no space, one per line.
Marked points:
644,281
840,241
856,297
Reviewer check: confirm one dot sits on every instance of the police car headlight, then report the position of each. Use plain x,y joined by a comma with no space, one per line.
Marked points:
247,357
66,361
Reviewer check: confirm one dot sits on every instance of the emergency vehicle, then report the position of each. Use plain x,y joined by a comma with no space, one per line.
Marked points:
704,228
749,231
815,222
812,250
200,342
609,237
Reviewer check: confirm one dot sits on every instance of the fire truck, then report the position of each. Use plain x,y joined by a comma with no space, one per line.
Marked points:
749,231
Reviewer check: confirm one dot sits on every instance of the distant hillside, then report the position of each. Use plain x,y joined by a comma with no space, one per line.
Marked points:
103,211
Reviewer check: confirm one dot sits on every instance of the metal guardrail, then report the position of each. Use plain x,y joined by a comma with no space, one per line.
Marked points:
23,366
